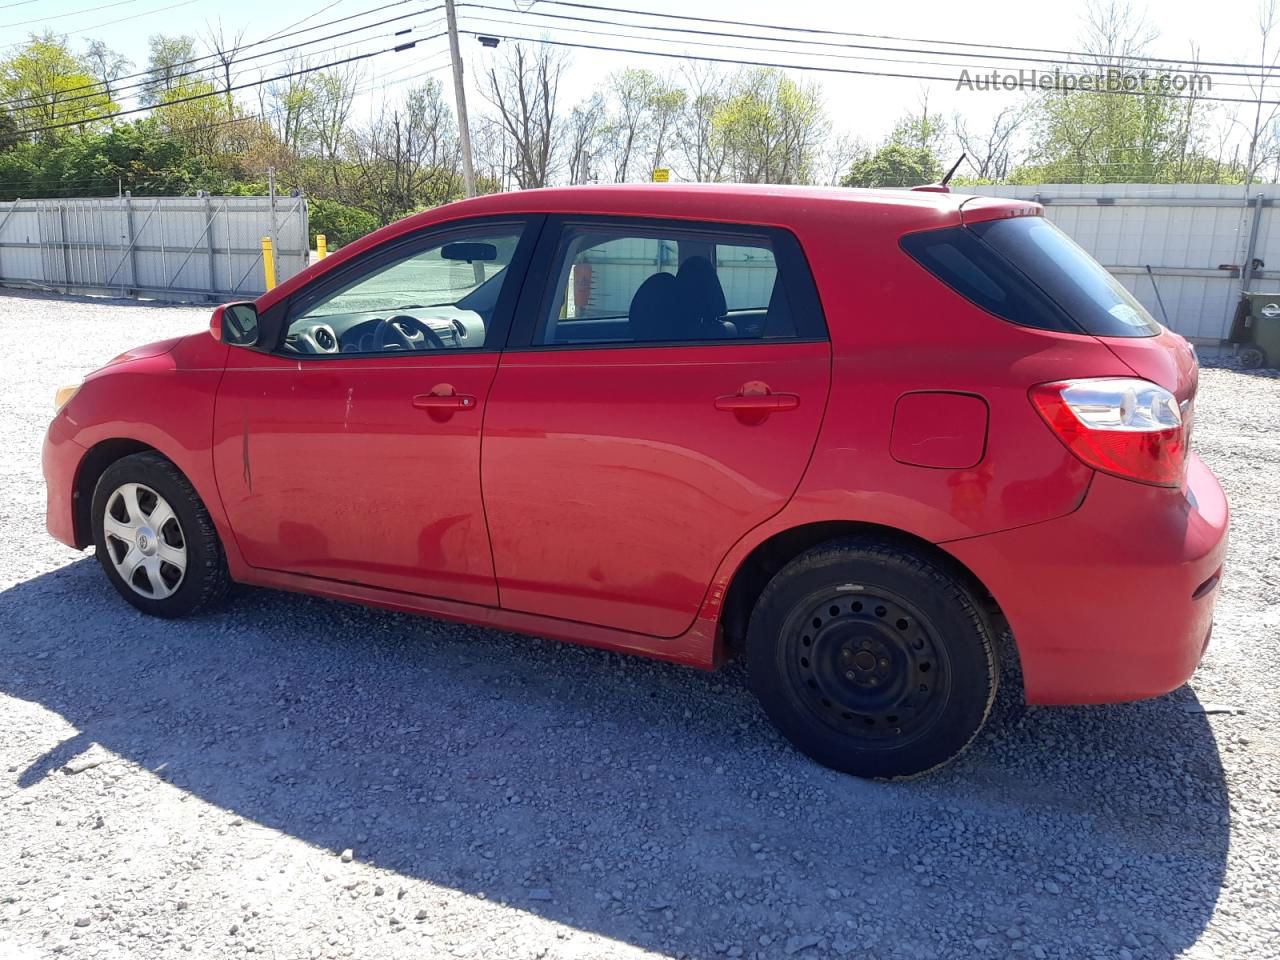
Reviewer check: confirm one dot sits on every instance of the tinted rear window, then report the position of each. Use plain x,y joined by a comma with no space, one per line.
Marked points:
1029,272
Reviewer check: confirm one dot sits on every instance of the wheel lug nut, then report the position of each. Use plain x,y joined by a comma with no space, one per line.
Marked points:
884,663
849,675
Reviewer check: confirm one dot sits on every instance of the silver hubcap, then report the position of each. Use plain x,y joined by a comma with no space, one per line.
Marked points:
145,541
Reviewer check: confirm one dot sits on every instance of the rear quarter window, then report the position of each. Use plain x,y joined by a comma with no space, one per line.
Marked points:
1027,271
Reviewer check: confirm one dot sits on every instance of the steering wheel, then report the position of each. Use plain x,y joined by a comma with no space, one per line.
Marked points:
403,332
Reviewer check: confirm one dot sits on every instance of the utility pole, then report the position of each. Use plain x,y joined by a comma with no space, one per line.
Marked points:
460,93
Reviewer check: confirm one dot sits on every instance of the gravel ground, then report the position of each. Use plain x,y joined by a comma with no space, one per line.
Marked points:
299,778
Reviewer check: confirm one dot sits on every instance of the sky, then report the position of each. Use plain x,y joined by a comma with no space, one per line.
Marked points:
864,106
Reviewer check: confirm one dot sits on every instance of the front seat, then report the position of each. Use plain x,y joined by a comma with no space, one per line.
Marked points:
702,301
653,312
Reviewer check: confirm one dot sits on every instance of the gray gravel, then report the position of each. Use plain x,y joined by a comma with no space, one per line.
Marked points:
299,778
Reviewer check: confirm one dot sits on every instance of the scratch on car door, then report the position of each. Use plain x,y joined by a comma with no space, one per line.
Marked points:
248,471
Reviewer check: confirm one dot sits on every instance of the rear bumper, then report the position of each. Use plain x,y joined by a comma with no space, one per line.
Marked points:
61,458
1114,601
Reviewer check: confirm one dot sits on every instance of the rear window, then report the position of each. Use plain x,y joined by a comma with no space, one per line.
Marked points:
1027,271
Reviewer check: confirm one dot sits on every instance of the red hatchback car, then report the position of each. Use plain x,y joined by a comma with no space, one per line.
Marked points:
842,432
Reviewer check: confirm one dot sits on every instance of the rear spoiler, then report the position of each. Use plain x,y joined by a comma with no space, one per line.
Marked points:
977,209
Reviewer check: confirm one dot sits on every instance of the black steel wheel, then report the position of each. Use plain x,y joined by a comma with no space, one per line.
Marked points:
871,659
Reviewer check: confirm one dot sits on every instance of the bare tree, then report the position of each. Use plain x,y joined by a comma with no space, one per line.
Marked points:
107,65
666,103
1260,128
168,66
523,86
990,150
330,113
704,152
586,123
629,93
288,105
836,158
224,47
1114,31
408,157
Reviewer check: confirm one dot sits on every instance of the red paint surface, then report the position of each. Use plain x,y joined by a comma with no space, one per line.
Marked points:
600,496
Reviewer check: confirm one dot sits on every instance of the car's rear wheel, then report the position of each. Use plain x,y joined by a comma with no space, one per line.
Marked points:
154,538
871,659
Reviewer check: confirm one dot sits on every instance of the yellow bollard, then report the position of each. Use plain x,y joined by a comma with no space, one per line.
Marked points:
322,246
268,263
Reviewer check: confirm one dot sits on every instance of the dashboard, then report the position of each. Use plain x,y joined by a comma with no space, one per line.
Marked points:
408,328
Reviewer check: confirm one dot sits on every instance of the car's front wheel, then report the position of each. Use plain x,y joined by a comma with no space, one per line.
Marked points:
154,538
871,659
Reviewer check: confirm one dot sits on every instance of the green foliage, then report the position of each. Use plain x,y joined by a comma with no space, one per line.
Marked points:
893,165
907,158
771,128
340,223
48,83
1089,137
138,156
166,63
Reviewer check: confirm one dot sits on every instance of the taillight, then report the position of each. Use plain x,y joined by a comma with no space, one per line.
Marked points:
1128,427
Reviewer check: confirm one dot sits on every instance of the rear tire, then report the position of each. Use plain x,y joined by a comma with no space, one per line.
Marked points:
155,539
872,660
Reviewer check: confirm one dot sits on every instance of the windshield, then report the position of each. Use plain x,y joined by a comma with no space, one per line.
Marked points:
1081,286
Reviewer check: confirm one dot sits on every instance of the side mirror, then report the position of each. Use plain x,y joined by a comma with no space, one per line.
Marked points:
236,324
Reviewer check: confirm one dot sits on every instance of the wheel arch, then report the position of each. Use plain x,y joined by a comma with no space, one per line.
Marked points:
92,465
769,556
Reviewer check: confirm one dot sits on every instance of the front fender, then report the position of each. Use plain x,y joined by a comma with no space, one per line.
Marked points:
162,401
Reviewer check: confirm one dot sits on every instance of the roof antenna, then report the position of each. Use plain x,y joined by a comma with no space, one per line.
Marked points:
952,172
941,185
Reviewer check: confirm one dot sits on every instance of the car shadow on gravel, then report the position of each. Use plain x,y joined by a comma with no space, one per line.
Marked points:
641,801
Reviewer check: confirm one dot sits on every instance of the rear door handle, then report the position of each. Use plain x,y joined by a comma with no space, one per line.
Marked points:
758,403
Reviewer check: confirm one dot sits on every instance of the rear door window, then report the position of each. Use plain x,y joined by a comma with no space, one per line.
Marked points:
619,282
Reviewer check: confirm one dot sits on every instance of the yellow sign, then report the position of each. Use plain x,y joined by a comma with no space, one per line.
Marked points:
661,175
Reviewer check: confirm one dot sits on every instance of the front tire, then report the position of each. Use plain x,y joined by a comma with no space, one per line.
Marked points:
872,660
155,539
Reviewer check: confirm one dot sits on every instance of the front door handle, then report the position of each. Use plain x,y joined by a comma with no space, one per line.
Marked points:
755,401
443,401
438,401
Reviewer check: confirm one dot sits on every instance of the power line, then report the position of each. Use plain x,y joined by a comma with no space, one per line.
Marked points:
205,71
231,89
112,23
258,43
309,16
73,13
877,36
279,111
692,31
738,46
377,85
846,70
